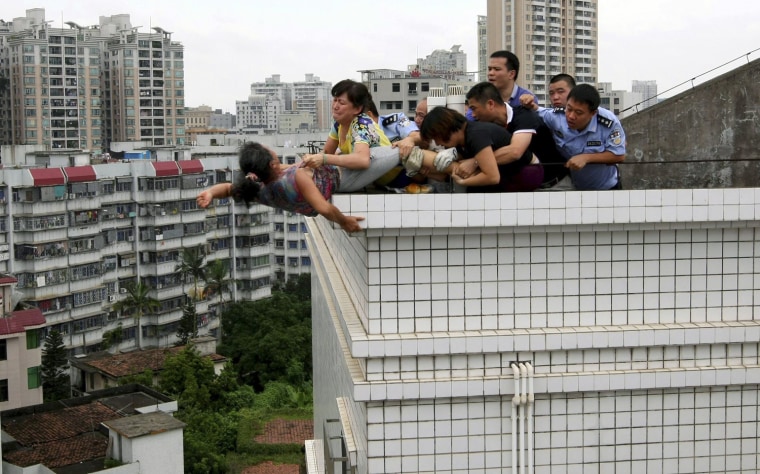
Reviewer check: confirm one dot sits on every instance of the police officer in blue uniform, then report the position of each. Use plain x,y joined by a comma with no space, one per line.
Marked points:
589,137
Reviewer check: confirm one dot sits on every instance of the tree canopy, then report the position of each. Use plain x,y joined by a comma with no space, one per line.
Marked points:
55,381
270,339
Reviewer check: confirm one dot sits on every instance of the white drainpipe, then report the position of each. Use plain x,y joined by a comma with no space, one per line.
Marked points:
531,398
515,404
523,418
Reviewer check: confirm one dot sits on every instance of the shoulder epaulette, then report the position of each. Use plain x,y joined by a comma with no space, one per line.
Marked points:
558,110
364,120
390,119
604,121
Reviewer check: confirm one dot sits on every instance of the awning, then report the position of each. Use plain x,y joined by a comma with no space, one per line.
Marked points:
190,166
47,176
165,168
79,174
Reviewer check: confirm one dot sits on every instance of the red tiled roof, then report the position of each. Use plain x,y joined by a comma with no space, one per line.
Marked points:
131,363
268,467
190,166
59,438
6,279
78,174
47,176
18,321
165,168
281,431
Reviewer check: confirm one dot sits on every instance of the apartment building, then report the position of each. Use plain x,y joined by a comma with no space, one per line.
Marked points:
482,48
76,237
20,353
548,36
83,87
402,91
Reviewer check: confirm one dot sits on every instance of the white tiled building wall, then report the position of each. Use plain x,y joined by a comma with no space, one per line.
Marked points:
637,310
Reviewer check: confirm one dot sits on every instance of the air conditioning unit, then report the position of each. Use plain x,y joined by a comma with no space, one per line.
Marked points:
131,238
122,290
72,196
112,298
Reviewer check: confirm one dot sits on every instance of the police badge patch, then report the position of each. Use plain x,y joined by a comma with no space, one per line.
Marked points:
615,137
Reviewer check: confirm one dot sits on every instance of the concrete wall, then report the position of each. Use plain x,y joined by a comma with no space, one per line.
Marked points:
688,140
637,309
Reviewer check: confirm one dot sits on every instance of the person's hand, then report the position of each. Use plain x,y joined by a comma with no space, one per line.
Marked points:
351,223
465,168
528,101
204,199
313,160
577,162
404,146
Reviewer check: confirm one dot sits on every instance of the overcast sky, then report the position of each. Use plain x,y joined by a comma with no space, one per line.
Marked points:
230,44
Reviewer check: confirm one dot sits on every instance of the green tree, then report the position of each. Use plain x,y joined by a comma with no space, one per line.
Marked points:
298,286
188,325
112,337
139,303
192,265
263,339
218,280
55,380
185,374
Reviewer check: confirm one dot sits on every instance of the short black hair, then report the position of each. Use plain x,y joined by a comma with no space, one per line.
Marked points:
563,77
482,92
513,64
586,94
440,123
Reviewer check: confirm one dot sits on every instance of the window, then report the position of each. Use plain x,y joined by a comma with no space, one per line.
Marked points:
32,339
4,390
396,87
33,378
306,261
425,86
374,87
292,227
292,244
3,349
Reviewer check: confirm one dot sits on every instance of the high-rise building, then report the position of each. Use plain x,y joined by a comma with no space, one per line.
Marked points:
619,102
548,36
271,98
648,91
83,87
313,96
449,64
258,114
482,48
144,82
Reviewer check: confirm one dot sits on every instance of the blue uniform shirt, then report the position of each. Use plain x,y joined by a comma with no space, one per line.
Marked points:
603,133
397,126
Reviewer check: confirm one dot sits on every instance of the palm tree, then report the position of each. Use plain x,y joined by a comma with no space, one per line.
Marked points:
191,263
140,302
217,280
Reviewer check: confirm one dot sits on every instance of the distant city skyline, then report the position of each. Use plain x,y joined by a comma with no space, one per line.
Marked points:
228,49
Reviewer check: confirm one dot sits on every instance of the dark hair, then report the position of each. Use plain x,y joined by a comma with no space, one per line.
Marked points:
253,158
357,93
372,108
513,64
587,94
440,123
482,92
563,77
